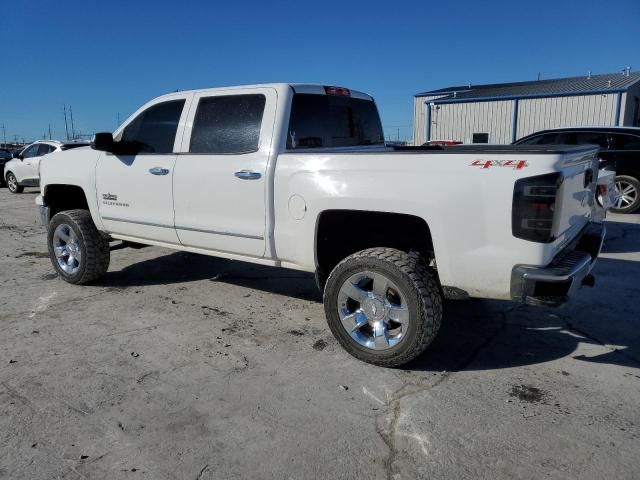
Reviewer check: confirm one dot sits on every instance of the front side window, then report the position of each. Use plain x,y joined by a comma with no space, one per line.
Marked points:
154,130
333,121
227,124
31,151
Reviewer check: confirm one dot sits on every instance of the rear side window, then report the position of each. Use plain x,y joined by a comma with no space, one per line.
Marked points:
154,130
333,121
593,138
44,149
227,124
626,142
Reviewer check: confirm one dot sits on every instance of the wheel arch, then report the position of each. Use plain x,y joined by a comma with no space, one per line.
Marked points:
61,197
362,229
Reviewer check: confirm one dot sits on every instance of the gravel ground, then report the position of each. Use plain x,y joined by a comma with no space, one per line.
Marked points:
178,366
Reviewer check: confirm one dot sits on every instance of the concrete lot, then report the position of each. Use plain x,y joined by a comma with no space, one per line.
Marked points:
182,366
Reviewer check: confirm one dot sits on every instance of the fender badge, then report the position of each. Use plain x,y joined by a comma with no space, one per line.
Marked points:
109,196
515,164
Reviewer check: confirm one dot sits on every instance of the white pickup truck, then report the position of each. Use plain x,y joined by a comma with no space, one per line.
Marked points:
298,176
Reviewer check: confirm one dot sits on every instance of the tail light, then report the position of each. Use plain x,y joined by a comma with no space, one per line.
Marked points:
534,204
339,91
602,190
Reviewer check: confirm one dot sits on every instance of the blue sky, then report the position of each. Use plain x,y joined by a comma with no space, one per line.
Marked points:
106,58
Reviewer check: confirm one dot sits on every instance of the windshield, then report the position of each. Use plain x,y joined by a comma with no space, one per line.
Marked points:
333,121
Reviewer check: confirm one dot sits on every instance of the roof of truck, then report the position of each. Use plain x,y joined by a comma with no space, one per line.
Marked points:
296,87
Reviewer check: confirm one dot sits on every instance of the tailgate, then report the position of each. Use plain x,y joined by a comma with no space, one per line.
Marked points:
575,200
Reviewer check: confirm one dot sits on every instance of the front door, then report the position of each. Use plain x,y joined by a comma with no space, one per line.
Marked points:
134,188
27,169
220,179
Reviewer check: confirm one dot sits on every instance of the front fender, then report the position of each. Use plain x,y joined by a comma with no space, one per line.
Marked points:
76,167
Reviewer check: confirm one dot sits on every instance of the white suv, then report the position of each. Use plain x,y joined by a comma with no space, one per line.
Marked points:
24,169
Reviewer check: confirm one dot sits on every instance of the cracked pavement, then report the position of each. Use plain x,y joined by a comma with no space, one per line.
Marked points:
181,366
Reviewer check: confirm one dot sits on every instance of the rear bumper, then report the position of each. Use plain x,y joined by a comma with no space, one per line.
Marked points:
555,283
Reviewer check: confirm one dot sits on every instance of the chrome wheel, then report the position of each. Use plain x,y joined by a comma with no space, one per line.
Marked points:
12,183
373,310
66,248
627,194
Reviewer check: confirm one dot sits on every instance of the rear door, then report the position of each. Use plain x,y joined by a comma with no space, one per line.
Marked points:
624,156
600,139
220,178
23,170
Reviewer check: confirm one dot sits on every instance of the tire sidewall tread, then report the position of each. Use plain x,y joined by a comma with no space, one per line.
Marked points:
18,188
94,247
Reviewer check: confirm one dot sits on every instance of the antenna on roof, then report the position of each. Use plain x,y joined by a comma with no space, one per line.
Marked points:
589,75
626,71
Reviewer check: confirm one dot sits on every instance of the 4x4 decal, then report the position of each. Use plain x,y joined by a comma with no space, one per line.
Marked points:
515,164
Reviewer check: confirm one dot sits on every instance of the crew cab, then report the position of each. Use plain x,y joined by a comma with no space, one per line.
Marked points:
298,176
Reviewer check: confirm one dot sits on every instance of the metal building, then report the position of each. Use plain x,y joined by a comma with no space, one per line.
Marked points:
505,112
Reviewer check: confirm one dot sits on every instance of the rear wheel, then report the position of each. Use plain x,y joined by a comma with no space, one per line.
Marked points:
12,183
383,306
78,252
628,190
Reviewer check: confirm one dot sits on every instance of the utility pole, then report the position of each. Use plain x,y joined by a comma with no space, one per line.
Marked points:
4,135
49,131
118,120
66,127
73,131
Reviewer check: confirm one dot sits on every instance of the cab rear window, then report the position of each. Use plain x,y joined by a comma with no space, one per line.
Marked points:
324,121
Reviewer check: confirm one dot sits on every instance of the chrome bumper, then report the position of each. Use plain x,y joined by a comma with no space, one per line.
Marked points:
554,284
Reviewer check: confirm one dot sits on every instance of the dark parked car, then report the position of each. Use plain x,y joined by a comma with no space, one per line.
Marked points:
619,151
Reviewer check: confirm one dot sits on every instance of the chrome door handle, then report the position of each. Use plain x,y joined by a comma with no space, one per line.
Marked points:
248,175
159,171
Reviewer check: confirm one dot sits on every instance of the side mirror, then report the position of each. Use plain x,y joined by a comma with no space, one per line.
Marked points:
103,142
17,155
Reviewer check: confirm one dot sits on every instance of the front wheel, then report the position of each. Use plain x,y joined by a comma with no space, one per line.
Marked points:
628,190
12,184
78,252
383,306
